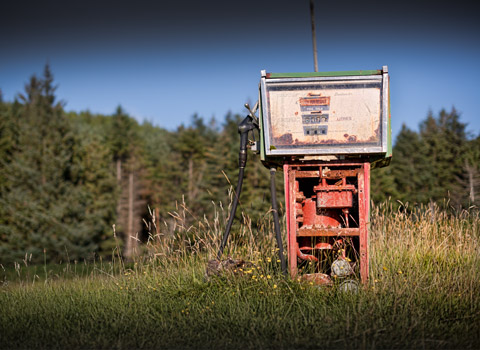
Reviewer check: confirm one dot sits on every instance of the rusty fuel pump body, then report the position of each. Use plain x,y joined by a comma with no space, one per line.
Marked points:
326,130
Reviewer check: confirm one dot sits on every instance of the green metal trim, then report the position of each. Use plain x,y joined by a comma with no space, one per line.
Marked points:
324,74
379,161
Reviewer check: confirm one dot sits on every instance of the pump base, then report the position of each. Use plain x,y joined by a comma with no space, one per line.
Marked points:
327,216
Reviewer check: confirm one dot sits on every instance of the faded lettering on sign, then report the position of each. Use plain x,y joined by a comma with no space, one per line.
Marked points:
306,113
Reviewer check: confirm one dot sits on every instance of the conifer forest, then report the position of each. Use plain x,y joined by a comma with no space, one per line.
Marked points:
70,182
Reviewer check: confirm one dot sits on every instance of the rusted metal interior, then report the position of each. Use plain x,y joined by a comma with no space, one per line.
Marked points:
327,212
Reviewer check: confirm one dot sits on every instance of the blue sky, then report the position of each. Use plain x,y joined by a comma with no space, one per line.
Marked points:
167,61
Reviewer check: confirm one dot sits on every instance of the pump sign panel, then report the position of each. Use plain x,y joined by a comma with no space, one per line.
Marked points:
324,115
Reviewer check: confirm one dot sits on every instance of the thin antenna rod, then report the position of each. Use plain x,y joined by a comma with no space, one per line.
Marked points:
314,36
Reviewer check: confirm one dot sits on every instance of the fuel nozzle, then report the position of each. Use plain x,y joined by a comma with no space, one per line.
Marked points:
249,123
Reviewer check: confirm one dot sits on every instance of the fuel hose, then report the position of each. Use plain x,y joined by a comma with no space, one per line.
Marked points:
242,162
247,125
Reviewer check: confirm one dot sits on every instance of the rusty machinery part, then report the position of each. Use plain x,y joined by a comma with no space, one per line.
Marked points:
306,257
317,247
327,207
319,279
349,286
341,268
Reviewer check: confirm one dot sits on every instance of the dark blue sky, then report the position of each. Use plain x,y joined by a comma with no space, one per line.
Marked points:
166,61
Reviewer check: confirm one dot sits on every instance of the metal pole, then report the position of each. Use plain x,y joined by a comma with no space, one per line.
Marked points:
314,36
276,221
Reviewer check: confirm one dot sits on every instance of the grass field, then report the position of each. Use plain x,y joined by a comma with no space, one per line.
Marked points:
424,293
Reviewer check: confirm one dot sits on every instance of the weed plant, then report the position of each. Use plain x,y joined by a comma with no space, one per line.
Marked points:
423,292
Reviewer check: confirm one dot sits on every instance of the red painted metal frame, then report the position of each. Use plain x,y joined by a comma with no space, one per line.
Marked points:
363,179
364,214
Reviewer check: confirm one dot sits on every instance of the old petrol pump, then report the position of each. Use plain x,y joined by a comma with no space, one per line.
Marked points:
326,131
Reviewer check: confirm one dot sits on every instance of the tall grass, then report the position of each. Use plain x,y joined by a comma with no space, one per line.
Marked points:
423,292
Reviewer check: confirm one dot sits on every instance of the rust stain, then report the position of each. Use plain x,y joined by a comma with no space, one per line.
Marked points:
328,232
338,174
376,136
287,140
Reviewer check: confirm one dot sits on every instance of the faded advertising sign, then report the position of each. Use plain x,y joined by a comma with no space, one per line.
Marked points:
315,114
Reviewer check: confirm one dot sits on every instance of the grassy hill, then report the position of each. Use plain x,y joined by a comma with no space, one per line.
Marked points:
424,292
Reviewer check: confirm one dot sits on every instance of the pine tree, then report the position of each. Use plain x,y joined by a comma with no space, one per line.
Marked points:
157,155
8,136
48,193
126,148
445,140
191,148
408,166
383,186
468,182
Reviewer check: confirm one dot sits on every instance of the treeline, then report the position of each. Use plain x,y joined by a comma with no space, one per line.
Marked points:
440,163
67,178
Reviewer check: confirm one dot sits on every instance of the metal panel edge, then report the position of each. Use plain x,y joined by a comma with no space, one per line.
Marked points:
389,131
385,99
330,151
260,122
265,124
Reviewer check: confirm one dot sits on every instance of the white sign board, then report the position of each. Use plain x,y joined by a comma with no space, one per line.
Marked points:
324,115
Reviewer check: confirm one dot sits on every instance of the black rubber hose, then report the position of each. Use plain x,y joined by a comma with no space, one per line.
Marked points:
232,212
276,220
244,128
